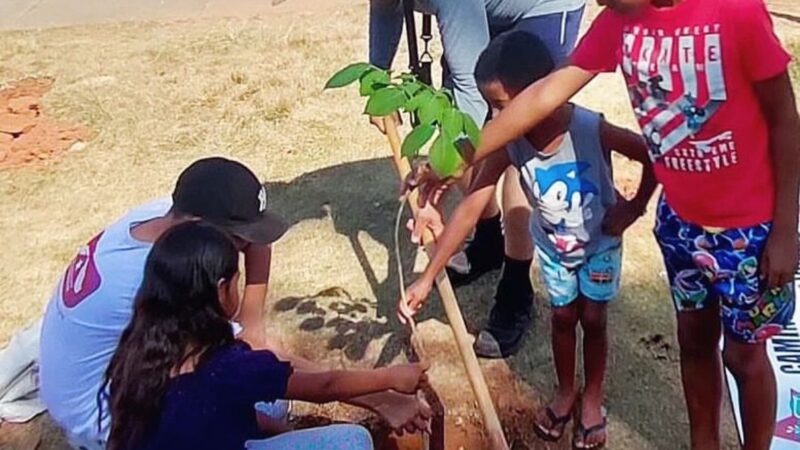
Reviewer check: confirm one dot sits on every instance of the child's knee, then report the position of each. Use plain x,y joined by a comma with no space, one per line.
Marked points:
746,361
593,322
699,334
697,346
564,318
356,436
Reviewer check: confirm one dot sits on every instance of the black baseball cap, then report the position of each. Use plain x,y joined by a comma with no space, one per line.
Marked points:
227,194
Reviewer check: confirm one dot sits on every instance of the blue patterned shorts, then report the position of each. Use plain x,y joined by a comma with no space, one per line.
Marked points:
597,279
706,266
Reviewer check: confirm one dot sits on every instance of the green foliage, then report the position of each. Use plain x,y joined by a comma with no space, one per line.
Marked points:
372,80
418,137
452,121
471,130
347,75
444,157
434,109
420,98
385,101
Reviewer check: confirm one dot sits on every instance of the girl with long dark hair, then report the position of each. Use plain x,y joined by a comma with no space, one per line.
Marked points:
180,380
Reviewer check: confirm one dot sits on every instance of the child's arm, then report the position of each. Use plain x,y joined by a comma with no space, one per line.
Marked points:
342,385
458,228
400,411
599,51
525,111
630,144
257,263
778,106
534,104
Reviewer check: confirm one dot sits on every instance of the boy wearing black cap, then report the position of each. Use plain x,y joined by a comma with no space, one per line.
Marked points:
92,304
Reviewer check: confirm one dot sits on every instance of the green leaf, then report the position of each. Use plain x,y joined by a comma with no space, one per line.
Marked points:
411,88
418,137
385,101
347,75
448,93
452,122
372,80
432,110
421,98
472,130
444,157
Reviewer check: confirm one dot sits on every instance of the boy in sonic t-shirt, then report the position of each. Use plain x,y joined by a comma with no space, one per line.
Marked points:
709,84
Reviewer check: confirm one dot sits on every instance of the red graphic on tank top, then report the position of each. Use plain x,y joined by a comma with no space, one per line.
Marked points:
81,278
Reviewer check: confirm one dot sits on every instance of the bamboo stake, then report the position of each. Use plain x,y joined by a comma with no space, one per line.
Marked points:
490,420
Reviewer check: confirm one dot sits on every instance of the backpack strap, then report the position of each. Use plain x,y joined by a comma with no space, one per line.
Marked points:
420,65
426,59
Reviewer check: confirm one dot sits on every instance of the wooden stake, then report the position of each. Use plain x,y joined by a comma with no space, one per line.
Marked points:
453,312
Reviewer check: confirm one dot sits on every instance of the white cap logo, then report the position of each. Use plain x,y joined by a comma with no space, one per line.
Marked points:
262,200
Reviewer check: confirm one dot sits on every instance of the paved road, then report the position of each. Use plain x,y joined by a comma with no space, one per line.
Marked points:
26,14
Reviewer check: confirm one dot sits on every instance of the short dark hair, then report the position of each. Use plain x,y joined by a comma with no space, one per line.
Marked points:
516,59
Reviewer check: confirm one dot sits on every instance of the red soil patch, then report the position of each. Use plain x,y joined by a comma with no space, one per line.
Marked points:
27,135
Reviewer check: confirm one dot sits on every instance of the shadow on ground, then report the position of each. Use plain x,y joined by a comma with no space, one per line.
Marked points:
643,380
643,388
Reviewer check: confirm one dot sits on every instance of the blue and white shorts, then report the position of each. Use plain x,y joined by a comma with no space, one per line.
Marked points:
597,279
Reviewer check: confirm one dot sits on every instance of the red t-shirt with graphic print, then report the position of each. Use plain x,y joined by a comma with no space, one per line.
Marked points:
690,71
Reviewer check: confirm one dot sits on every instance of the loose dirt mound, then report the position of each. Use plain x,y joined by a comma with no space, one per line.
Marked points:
26,134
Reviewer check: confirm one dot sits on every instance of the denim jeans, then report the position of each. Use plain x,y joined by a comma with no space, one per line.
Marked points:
332,437
465,27
558,31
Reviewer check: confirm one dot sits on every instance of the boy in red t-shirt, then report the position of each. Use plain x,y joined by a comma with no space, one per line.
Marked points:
709,85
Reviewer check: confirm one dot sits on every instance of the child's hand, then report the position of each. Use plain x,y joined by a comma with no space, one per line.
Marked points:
779,260
416,296
621,216
406,378
430,186
428,218
405,413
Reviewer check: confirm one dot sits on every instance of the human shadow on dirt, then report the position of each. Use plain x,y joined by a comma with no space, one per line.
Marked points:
361,197
358,197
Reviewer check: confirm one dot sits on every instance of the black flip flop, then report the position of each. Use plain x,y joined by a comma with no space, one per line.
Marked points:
556,423
583,433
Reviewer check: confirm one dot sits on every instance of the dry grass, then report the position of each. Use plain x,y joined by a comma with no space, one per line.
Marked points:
158,96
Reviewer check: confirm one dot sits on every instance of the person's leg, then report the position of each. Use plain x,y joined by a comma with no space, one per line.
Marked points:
595,355
599,282
701,374
332,437
551,420
564,322
755,380
512,310
562,287
516,218
273,417
699,326
751,314
558,31
482,254
511,314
